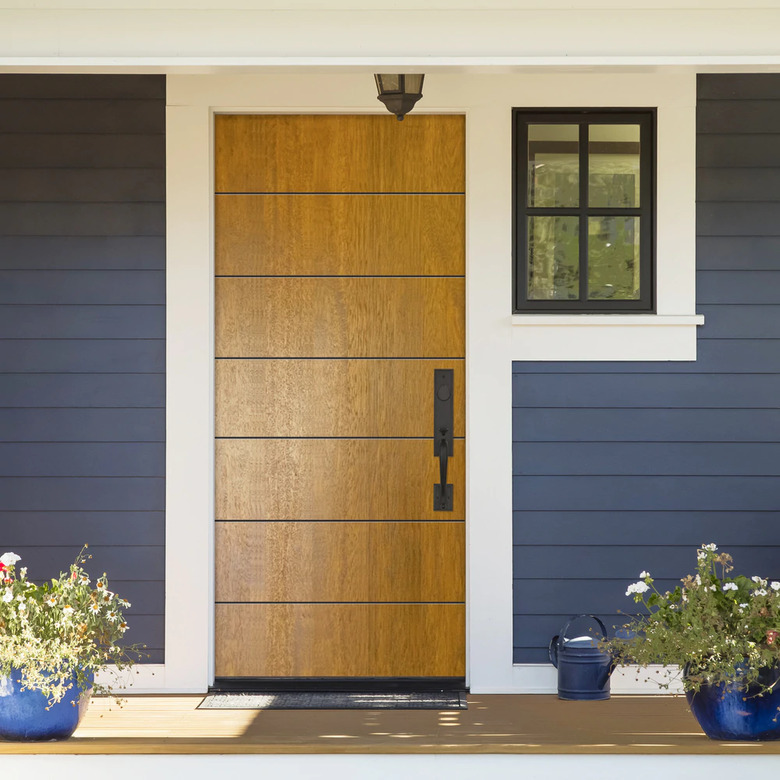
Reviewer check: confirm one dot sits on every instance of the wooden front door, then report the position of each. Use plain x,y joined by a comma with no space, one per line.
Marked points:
339,290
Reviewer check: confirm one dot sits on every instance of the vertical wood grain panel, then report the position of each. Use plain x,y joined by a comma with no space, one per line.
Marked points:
387,397
332,153
333,479
339,235
340,640
340,317
345,561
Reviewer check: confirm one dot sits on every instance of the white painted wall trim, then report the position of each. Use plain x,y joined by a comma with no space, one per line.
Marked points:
390,767
543,679
486,99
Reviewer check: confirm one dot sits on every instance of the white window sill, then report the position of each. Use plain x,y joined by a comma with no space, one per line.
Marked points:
604,336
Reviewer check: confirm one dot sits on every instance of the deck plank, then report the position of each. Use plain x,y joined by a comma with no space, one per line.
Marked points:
493,724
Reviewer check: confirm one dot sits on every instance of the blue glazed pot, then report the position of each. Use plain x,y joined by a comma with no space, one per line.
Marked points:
729,712
24,717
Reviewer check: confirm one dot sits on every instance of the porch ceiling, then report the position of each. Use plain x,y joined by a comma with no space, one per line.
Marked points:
493,724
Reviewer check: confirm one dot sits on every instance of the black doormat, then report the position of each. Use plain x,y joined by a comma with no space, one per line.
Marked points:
323,700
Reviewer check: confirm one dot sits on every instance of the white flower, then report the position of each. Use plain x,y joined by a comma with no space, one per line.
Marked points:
20,597
51,601
113,616
712,587
743,607
9,558
759,592
698,580
730,586
67,610
22,607
101,585
94,608
701,555
637,587
84,579
123,627
711,547
8,595
644,574
23,572
126,604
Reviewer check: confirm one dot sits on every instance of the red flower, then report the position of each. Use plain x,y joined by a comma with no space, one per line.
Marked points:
3,567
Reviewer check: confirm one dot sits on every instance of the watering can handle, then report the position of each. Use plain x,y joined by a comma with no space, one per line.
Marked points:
576,617
552,651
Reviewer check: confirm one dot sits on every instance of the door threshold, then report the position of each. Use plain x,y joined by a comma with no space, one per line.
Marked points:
337,684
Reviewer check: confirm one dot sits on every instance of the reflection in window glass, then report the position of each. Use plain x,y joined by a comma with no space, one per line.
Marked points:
613,258
553,166
613,166
553,258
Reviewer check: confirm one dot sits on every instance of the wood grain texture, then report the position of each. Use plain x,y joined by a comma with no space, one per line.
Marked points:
340,317
333,479
334,153
340,640
321,562
386,397
324,235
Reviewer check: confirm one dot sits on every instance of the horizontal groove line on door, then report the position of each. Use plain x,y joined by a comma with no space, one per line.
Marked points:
330,520
339,276
339,357
324,603
345,438
332,192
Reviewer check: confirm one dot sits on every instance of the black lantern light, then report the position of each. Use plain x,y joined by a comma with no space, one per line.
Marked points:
399,92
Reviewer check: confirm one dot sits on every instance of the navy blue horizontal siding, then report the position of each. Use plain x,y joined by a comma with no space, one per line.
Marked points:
645,458
630,425
88,425
82,253
88,494
64,356
66,459
82,390
82,322
82,332
80,185
83,287
34,150
621,467
81,87
735,150
73,529
638,527
644,391
73,219
716,253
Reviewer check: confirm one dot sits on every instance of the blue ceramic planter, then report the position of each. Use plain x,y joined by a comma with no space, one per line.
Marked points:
24,717
728,712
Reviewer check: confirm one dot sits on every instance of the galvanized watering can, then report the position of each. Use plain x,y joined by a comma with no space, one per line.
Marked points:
583,669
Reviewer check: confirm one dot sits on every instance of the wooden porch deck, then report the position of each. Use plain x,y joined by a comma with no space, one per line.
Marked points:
493,724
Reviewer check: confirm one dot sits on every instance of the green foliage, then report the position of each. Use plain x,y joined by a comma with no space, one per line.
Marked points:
62,632
718,628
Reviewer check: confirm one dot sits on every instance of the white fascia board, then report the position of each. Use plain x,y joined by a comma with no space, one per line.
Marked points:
577,35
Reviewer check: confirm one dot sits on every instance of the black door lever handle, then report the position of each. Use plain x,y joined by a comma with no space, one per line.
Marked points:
442,433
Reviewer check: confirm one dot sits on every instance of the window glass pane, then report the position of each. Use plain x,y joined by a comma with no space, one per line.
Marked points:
553,166
553,258
613,258
613,166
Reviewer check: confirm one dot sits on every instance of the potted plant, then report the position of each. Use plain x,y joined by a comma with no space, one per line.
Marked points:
722,632
54,637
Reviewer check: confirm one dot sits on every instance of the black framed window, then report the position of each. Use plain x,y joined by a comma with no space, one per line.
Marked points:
584,210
